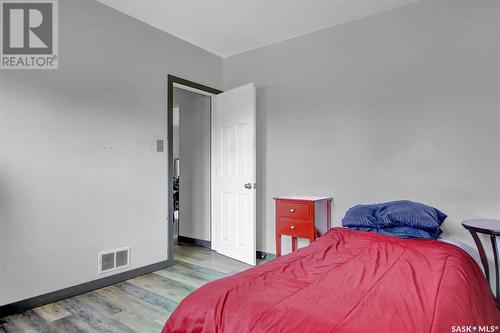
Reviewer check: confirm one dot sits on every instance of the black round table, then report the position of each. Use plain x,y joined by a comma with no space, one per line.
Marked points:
491,228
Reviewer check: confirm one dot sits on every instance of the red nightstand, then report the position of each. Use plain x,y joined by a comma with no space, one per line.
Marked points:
301,216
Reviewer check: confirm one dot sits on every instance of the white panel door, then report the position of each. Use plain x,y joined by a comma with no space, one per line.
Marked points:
233,174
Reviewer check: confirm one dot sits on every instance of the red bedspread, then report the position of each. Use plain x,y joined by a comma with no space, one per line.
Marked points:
347,281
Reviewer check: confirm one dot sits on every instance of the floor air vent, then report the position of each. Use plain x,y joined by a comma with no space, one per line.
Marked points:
113,259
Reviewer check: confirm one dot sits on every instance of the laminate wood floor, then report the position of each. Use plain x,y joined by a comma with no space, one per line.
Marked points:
142,304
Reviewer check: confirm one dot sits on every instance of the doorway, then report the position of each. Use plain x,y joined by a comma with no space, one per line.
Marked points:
188,140
191,153
217,174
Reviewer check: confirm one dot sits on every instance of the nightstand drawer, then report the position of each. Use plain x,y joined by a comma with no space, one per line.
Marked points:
294,210
293,228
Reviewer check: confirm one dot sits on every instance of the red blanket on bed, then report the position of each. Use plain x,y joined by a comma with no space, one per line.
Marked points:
347,281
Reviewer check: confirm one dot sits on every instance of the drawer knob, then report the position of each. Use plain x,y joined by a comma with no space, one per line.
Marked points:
292,227
292,210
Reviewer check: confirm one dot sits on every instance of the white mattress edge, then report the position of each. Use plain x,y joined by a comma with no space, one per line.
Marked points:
472,252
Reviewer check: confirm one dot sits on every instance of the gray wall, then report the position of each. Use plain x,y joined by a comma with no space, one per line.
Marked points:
79,172
194,153
399,105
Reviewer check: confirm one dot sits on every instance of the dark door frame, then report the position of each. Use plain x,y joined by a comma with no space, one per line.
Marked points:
170,158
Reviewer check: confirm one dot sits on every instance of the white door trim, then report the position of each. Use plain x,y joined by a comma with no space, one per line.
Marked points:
198,91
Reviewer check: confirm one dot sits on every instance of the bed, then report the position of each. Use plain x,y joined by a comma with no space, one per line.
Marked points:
347,281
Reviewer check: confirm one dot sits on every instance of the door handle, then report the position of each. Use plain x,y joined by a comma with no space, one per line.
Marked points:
248,186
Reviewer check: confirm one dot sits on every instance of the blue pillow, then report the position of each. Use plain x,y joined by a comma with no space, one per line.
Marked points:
403,213
403,232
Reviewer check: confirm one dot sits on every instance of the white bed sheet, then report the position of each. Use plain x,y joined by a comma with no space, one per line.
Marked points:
473,252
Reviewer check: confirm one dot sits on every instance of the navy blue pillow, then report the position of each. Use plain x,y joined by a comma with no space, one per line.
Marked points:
403,232
403,213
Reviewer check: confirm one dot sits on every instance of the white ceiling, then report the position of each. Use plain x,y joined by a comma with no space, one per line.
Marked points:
228,27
